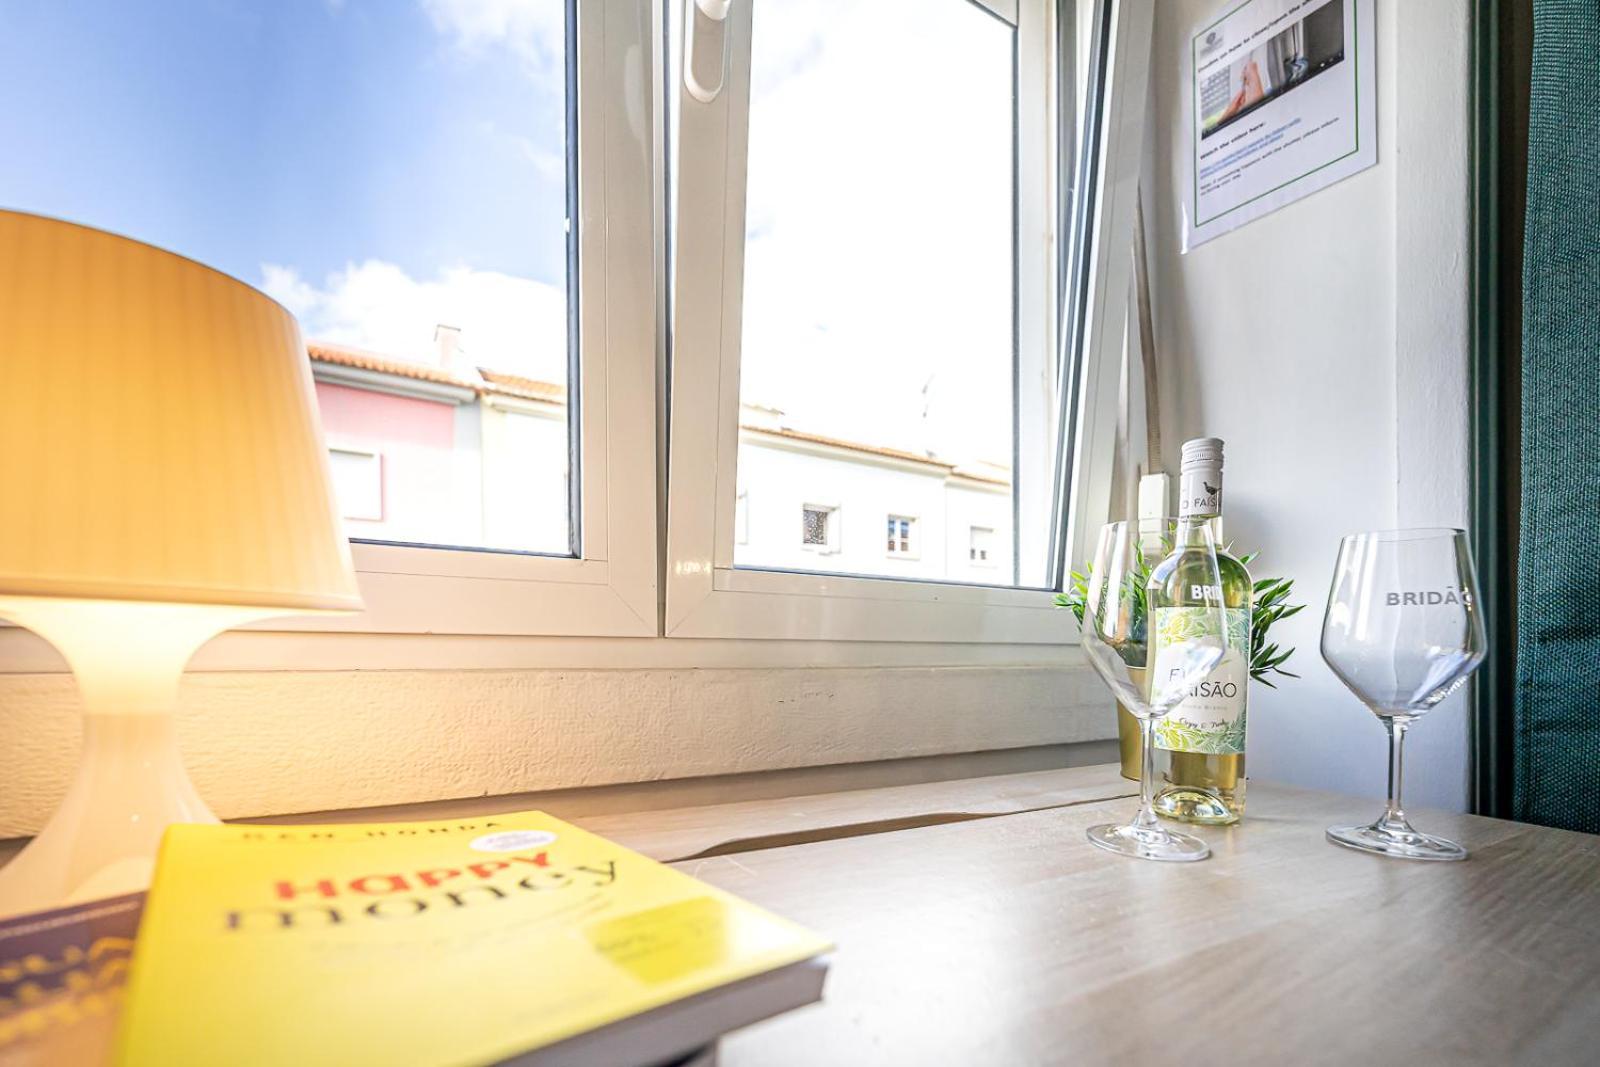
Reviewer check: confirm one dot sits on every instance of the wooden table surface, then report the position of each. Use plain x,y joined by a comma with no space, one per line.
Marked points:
976,925
1008,939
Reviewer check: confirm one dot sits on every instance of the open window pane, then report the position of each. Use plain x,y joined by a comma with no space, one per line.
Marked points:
395,173
879,296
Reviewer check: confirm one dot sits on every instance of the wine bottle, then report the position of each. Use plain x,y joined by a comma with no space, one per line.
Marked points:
1199,759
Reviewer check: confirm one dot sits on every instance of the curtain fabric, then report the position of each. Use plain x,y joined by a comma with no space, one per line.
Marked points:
1556,757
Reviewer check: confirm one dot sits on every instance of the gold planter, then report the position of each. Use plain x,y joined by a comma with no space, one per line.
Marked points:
1128,742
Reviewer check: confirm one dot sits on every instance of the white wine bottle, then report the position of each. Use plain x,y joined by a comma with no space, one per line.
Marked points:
1199,759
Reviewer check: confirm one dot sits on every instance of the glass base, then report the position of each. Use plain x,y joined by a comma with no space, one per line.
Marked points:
1404,844
1195,805
1157,843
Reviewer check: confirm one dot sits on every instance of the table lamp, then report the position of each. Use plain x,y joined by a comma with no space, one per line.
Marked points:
162,478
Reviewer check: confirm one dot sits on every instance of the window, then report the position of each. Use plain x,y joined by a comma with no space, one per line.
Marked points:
926,393
506,228
358,483
902,542
416,182
377,218
981,546
894,283
814,526
819,528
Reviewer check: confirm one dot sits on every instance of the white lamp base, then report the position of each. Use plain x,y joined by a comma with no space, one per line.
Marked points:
130,784
102,841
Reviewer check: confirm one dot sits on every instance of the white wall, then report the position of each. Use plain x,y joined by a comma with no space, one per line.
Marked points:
269,742
524,474
1327,345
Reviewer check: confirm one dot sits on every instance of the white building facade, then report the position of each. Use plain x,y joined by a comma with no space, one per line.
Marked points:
819,504
452,454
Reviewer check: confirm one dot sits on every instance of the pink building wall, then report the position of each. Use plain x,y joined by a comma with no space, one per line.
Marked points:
416,439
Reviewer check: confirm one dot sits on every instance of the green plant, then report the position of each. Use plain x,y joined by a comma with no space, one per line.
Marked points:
1269,604
1076,599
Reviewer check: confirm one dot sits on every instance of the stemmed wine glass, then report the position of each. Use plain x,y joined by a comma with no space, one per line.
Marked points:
1403,630
1149,576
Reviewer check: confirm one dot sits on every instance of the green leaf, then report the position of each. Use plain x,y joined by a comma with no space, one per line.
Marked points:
1269,606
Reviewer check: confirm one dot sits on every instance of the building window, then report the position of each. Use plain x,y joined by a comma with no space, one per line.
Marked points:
814,526
819,528
980,547
741,518
902,536
357,482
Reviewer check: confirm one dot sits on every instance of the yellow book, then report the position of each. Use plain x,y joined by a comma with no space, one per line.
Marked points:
455,942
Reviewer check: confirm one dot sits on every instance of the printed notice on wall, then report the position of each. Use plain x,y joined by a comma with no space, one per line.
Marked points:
1280,102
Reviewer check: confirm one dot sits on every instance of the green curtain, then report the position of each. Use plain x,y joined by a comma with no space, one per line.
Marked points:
1556,758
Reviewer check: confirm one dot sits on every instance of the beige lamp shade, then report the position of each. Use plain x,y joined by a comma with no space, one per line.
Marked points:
159,437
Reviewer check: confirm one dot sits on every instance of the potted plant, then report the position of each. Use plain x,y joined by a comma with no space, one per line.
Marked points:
1269,604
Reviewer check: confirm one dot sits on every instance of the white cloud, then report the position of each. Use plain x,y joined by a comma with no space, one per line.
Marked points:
533,29
533,34
507,323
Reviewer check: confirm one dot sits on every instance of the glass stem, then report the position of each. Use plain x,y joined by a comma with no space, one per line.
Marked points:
1146,819
1394,816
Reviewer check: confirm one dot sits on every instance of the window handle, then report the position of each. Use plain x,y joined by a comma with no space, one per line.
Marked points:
705,48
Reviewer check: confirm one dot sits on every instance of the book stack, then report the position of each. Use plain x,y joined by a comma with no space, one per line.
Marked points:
508,939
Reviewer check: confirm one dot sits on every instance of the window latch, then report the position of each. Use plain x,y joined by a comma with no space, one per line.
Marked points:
705,48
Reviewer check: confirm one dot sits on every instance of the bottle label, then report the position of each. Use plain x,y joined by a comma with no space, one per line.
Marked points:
1211,718
1200,493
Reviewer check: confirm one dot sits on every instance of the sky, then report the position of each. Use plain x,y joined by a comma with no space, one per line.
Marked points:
381,166
377,165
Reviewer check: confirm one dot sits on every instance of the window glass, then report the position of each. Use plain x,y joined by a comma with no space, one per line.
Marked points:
901,535
814,524
879,302
394,173
741,517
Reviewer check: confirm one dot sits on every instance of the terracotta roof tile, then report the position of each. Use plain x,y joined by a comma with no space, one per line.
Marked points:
493,382
362,360
502,384
852,446
529,388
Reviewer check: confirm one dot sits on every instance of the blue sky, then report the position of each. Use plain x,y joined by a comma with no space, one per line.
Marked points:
426,135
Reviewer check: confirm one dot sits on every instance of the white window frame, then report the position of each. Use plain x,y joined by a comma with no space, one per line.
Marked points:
374,461
972,547
706,596
913,537
611,588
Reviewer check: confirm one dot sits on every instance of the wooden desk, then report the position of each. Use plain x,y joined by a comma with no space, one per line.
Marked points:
975,925
1011,940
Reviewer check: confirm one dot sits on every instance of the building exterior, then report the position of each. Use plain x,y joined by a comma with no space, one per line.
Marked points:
808,502
446,454
454,454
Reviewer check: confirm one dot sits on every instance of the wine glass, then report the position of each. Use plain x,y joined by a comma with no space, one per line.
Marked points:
1403,630
1125,605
